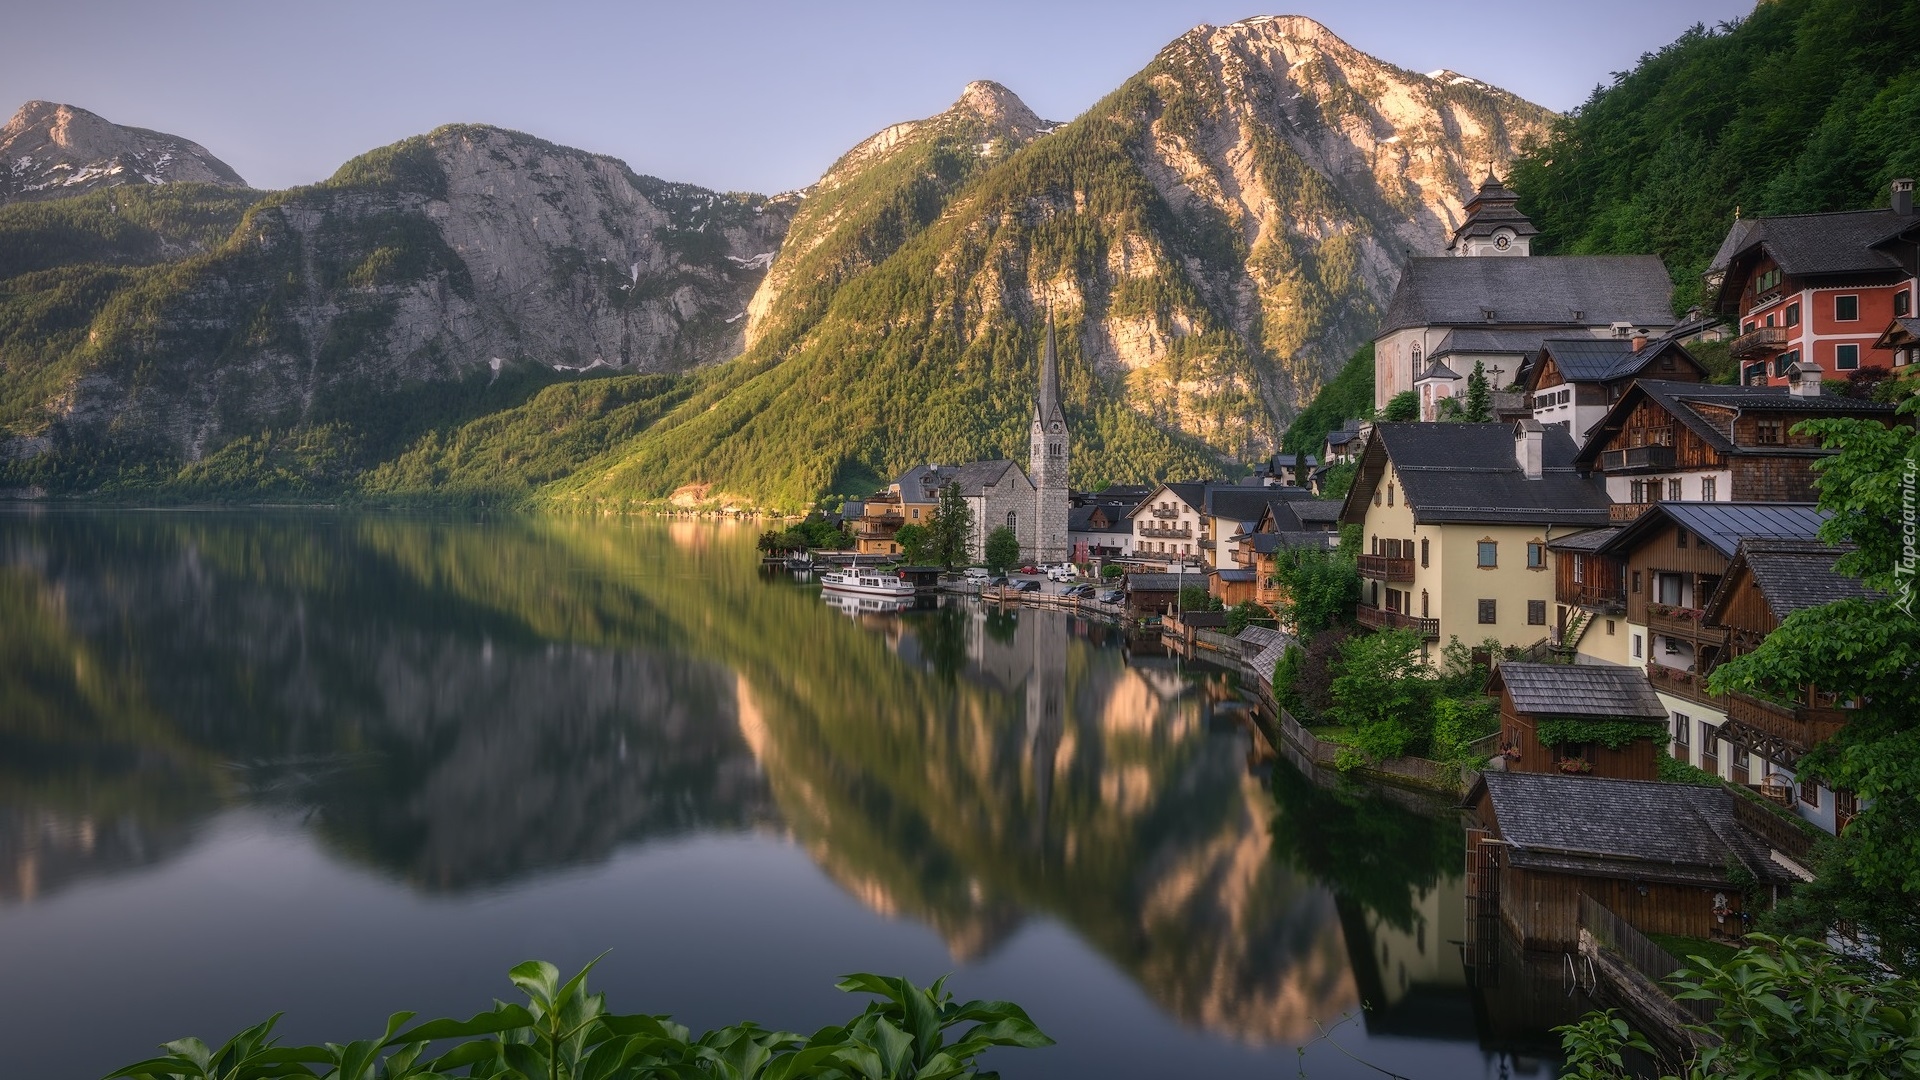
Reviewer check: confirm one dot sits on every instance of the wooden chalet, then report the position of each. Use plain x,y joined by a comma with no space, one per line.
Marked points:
1284,523
1575,380
1533,697
1671,441
1156,594
1767,581
1661,856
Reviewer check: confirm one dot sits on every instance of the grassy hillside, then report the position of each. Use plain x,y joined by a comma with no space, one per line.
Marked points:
1348,396
1805,105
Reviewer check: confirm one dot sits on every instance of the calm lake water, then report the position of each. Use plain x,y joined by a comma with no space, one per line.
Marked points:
339,765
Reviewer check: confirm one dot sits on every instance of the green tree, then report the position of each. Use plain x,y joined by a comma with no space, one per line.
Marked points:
1321,589
1003,550
1197,598
913,540
1383,692
952,524
1401,408
1247,613
1478,408
1865,650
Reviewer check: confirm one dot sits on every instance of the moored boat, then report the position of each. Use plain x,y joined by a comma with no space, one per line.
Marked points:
867,583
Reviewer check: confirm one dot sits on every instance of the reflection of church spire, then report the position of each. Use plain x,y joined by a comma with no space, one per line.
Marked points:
1046,711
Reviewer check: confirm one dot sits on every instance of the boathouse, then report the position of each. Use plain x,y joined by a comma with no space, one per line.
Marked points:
1580,719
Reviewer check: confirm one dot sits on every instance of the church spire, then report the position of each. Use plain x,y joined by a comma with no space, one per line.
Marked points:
1048,406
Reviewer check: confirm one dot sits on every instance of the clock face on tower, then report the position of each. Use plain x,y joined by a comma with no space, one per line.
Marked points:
1503,242
1056,426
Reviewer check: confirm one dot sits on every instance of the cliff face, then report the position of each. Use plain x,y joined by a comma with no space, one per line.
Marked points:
447,258
49,150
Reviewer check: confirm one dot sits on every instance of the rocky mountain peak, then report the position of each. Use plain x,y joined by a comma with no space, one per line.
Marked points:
1000,109
49,150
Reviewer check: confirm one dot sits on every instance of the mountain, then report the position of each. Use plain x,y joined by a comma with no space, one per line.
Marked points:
1803,106
442,277
49,150
1215,238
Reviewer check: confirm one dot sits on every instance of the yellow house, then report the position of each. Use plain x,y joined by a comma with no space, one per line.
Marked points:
1455,521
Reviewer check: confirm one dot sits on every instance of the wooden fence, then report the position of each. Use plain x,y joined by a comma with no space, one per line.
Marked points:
1618,936
1790,838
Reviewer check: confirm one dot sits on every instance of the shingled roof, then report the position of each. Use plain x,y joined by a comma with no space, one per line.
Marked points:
1634,829
1791,575
1539,290
1601,690
1471,341
1679,399
1610,359
1724,525
1807,245
922,483
1467,472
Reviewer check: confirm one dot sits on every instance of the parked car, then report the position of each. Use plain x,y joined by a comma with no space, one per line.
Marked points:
978,573
1085,592
1029,569
1061,572
1113,596
997,581
1026,586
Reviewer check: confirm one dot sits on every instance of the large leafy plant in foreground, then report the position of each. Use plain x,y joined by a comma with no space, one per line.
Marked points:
565,1033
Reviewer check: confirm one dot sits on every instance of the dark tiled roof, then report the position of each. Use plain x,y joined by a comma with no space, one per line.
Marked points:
922,483
1813,244
1438,370
1316,511
1162,582
1589,541
1204,618
1676,397
1632,828
1474,341
1544,290
1794,575
1268,543
1342,437
1237,503
1725,525
1292,461
1581,690
1237,576
1467,472
1593,359
1904,330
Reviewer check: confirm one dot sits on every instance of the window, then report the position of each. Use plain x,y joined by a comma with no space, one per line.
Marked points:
1757,374
1579,569
1013,520
1766,433
1846,357
1680,538
1637,646
1609,627
1423,604
1765,282
1536,613
1536,555
1637,491
1709,489
1902,303
1489,554
1423,553
1673,490
1636,581
1793,314
1784,361
1846,308
1810,793
1682,732
1666,588
1487,616
1389,494
1376,496
916,513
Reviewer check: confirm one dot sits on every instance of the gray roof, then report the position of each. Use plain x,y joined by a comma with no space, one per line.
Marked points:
1476,341
1291,461
1467,472
1270,542
1623,828
1316,511
1491,208
1796,574
1581,690
1814,244
1593,359
1238,576
1678,397
1237,503
1162,582
1262,647
1589,541
922,483
1539,290
1725,525
1342,436
1437,370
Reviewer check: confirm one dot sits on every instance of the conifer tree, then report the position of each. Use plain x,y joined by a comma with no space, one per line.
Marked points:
1479,405
952,524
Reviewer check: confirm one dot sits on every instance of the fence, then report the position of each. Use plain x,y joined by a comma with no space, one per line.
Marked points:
1790,838
1618,936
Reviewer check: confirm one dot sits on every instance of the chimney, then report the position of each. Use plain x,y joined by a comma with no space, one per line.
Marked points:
1903,196
1639,340
1804,379
1527,436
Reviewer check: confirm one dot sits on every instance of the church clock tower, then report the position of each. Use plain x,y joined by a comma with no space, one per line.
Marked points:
1047,463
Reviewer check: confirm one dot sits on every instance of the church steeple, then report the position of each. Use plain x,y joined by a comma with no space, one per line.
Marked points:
1049,461
1047,408
1493,223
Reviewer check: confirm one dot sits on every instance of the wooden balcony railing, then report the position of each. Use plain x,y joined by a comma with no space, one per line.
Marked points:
1386,567
1603,598
1685,623
1382,619
1625,512
1797,726
1165,532
1764,339
1687,684
1164,512
1637,457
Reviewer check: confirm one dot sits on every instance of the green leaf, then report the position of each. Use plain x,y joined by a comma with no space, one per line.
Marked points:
537,979
493,1021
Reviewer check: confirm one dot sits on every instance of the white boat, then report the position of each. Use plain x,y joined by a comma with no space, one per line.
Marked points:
857,605
867,583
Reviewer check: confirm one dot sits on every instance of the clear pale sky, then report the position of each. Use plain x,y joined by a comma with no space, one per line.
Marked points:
757,95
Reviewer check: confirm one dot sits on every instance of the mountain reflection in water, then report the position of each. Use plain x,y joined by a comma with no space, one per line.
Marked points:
470,709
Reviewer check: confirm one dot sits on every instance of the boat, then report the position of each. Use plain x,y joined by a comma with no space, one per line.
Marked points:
867,583
857,605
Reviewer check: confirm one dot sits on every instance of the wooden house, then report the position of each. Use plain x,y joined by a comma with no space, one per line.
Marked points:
1661,856
1157,594
1672,441
1561,718
1767,581
1574,381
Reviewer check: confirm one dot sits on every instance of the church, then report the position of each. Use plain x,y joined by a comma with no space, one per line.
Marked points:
1033,503
1490,299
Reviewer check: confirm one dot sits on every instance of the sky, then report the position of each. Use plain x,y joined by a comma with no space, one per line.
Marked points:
742,95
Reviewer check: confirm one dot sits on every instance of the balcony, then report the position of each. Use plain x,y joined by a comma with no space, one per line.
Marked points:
1683,623
1164,512
1687,684
1381,619
1762,340
1637,457
1796,728
1622,513
1164,532
1386,568
1594,596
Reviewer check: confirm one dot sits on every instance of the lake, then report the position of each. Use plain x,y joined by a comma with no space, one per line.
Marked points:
343,764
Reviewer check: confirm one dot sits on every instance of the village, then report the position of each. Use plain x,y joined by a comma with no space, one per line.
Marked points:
1551,485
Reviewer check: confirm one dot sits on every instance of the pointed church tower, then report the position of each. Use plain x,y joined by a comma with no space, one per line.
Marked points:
1047,463
1493,224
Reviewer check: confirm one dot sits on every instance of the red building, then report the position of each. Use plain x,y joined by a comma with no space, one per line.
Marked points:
1817,288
